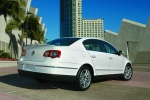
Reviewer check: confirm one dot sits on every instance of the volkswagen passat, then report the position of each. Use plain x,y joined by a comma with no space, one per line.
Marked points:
76,60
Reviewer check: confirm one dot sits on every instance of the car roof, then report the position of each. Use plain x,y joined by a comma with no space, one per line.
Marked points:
91,38
84,38
81,39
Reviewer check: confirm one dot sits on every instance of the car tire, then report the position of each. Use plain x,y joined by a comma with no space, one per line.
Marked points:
41,80
83,79
128,72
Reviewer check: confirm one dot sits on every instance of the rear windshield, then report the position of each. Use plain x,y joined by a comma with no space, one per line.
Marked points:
63,41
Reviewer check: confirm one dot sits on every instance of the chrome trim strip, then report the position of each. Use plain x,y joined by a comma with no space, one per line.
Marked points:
109,69
55,67
45,66
66,67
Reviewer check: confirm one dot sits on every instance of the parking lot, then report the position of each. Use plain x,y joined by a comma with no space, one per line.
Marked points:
15,87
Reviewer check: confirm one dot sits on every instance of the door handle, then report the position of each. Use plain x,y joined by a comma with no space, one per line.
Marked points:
93,56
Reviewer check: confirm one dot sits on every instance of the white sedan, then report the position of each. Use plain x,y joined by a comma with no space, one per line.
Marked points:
76,60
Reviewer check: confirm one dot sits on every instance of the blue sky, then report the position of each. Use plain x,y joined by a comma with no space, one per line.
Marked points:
113,11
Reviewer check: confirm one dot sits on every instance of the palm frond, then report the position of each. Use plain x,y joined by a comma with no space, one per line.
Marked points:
12,8
12,24
22,3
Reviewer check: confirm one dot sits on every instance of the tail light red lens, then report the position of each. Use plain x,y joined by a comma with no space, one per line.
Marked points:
23,52
52,53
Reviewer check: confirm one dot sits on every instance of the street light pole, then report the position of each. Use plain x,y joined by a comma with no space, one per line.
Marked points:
27,26
27,29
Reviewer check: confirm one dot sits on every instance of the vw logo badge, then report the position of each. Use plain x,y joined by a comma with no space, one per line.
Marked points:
33,52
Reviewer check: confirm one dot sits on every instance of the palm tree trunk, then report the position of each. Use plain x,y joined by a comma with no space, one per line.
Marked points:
31,41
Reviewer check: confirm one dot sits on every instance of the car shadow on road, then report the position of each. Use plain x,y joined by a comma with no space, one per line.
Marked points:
29,83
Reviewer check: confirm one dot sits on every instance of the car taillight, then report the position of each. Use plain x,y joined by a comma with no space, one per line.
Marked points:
23,52
52,53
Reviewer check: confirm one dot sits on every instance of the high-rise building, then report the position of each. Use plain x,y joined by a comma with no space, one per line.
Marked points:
67,18
92,28
73,25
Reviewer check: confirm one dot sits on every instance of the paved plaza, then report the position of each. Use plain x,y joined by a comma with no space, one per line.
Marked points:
15,87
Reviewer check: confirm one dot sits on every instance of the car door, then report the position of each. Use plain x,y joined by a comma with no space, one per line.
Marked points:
98,57
115,60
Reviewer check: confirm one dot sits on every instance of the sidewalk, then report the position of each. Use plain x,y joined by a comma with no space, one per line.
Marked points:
9,97
142,69
8,70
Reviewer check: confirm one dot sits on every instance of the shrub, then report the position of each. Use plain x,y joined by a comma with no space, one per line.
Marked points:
4,55
1,51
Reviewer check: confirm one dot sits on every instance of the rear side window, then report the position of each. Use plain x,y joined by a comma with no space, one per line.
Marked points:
93,45
63,41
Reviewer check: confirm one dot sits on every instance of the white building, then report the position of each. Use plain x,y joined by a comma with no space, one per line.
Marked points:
133,39
5,39
92,28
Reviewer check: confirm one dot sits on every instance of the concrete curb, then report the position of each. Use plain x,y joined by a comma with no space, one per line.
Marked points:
8,63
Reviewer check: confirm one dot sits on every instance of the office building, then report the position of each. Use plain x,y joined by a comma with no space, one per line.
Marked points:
73,25
92,28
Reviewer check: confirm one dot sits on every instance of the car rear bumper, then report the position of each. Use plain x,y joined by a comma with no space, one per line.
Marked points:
52,77
53,69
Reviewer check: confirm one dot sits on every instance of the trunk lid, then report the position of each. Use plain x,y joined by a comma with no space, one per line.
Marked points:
35,52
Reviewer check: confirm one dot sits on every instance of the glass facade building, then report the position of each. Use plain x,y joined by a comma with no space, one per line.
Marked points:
67,18
73,25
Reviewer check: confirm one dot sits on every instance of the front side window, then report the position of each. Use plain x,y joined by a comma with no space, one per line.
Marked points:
109,48
92,45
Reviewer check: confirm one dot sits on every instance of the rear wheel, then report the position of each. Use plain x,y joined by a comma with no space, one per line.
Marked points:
83,79
128,72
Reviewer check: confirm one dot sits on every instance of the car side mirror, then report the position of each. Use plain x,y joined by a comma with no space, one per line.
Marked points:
120,52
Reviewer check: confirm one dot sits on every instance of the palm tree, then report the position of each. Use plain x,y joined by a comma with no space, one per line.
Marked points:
15,10
12,25
12,8
13,45
40,36
34,29
45,40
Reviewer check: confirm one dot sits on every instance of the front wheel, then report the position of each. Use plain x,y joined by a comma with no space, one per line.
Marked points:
83,79
128,72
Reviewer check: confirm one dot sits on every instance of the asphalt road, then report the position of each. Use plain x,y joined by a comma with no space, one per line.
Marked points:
15,87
